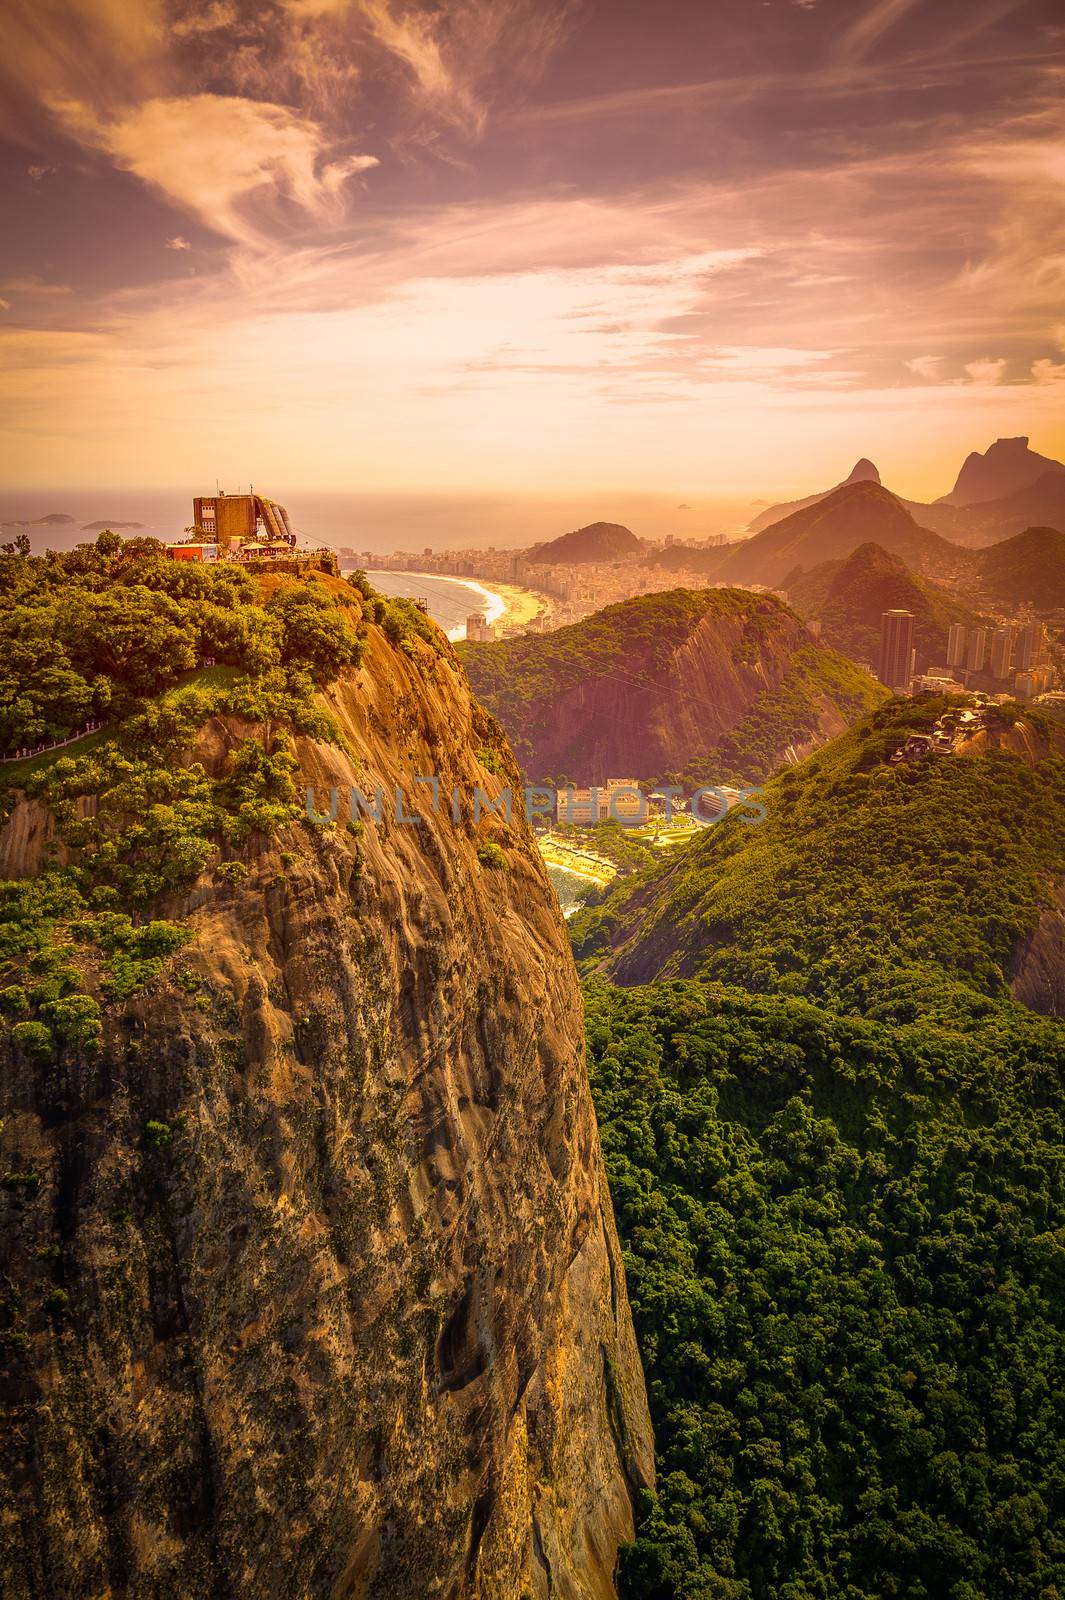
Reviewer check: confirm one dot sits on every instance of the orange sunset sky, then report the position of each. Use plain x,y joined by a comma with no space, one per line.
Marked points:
722,246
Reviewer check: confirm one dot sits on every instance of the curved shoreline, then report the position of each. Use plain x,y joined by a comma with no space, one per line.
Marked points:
583,864
507,603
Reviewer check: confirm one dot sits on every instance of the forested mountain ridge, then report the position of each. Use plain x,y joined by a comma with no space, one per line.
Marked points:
890,891
834,1140
1030,566
848,598
689,685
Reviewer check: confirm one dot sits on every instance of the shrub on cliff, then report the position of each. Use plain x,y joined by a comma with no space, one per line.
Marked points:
33,1040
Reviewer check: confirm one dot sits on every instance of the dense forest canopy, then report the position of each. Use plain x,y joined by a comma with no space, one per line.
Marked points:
92,632
845,1249
836,1150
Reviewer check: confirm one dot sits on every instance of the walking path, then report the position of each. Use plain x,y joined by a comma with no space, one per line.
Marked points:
59,744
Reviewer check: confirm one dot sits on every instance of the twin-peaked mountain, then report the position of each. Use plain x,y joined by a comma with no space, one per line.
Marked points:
998,494
1028,565
863,471
702,685
829,530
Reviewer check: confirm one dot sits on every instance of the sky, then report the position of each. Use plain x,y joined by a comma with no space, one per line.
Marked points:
695,248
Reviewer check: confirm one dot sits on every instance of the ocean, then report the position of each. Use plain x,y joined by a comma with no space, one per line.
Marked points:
571,887
381,521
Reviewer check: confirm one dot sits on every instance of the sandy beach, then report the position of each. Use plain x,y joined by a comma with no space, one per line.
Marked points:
518,606
504,605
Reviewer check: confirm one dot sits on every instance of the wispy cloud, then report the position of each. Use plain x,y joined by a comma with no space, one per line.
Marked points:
536,231
219,157
865,33
454,54
928,367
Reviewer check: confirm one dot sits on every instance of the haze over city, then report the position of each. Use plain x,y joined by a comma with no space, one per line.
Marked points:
503,250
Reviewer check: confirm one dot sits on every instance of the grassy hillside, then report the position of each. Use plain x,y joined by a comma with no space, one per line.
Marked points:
893,892
849,597
845,1251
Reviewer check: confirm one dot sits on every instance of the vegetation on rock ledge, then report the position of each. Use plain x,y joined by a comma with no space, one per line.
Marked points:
155,650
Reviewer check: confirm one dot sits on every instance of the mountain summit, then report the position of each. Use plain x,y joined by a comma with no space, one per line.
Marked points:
599,541
828,530
849,597
863,471
1008,465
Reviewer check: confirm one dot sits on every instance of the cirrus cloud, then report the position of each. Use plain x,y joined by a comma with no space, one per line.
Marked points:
221,157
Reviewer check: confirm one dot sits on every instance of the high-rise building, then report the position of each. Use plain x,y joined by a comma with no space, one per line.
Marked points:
478,628
1036,681
956,645
976,650
896,649
1029,646
1001,654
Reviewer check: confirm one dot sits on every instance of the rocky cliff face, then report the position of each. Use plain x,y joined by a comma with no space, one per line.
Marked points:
1037,978
345,1313
727,693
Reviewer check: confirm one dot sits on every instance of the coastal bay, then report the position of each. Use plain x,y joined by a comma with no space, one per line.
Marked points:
452,600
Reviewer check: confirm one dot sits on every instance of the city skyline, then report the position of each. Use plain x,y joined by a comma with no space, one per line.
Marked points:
526,247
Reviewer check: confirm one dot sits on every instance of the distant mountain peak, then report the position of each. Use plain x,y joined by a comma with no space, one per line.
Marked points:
863,471
869,490
599,541
1004,467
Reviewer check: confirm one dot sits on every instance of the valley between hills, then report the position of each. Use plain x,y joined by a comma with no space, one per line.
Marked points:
371,1231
